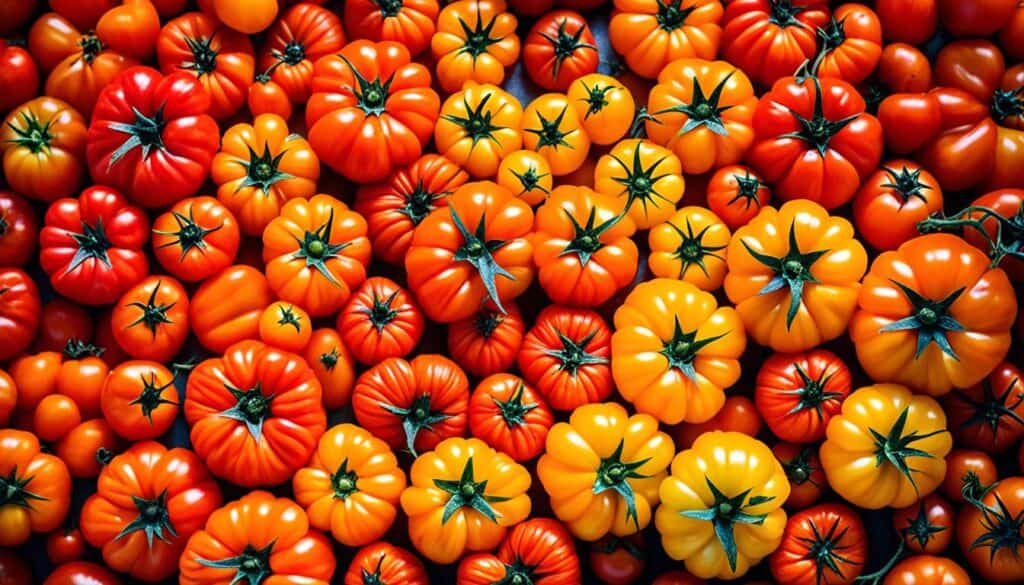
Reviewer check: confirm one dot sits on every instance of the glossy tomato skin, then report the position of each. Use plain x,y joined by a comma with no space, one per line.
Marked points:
769,40
803,470
18,74
510,416
836,528
459,56
19,229
303,34
85,448
285,326
82,573
462,135
267,97
975,66
150,321
195,239
1008,204
989,416
540,550
388,563
618,561
650,35
43,145
411,23
927,570
60,322
333,364
738,414
985,519
19,311
81,75
908,21
961,462
92,246
975,18
851,51
892,201
489,341
43,476
909,120
1011,37
798,394
139,400
736,193
217,324
63,546
8,398
904,69
559,49
380,320
926,527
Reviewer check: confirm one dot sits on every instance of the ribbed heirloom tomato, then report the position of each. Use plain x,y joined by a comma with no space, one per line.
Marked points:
851,44
539,550
798,394
487,342
690,246
823,545
559,49
552,128
479,126
36,488
43,147
650,34
380,320
606,106
302,35
385,563
510,416
19,311
475,41
769,39
647,178
196,238
409,22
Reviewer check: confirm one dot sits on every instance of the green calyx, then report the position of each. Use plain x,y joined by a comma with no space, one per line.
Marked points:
420,202
920,528
153,520
573,355
252,408
586,240
261,170
792,271
929,318
784,14
190,235
832,35
151,396
725,512
344,481
478,251
671,16
145,133
468,493
640,183
747,189
477,123
529,180
251,567
316,249
518,573
92,244
1007,103
703,111
373,578
814,392
550,132
32,133
183,368
692,251
906,183
380,312
389,8
895,447
801,469
487,322
1002,530
514,410
828,551
682,349
77,349
151,314
817,131
565,44
14,490
371,96
993,410
91,47
288,318
417,417
294,53
596,99
614,474
330,359
478,38
204,56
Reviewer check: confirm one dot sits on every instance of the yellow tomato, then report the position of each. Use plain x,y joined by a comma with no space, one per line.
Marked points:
475,41
690,246
527,174
553,129
646,177
478,127
605,106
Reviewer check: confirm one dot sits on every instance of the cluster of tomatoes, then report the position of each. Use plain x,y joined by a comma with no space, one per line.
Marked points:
316,292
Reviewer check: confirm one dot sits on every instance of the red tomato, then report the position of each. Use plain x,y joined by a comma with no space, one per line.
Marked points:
196,238
82,573
18,229
909,120
892,201
904,69
15,14
1008,205
961,462
618,561
302,35
488,342
975,18
851,44
798,394
908,21
13,569
510,416
769,39
18,75
19,311
410,22
989,416
974,66
559,49
738,414
803,470
64,546
380,320
926,527
62,321
267,97
1011,38
130,28
88,447
823,545
150,321
736,194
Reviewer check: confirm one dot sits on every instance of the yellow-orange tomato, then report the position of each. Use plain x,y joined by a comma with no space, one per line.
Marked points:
690,246
285,326
478,127
475,40
647,178
552,128
333,365
651,34
246,16
527,174
605,106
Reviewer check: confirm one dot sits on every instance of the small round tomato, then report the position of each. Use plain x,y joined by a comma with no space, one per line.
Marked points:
488,342
736,193
217,324
333,365
8,398
19,311
803,470
380,320
892,201
559,49
927,570
267,97
647,178
151,320
904,69
823,545
738,414
960,463
82,573
605,105
527,174
908,21
553,129
19,76
385,564
35,376
690,246
927,526
989,415
88,447
246,16
55,416
798,394
196,238
139,400
479,126
618,561
285,326
63,546
36,488
13,569
510,416
60,322
81,376
18,229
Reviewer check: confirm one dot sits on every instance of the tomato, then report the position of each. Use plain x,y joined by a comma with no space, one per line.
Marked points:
18,229
474,250
487,342
88,447
409,22
851,44
60,322
52,38
803,470
267,97
80,75
112,353
582,247
605,105
510,416
904,435
962,152
371,110
255,413
650,34
565,356
333,365
35,376
904,69
908,21
82,573
255,538
988,531
527,174
770,39
892,201
245,16
380,320
539,550
394,207
909,120
302,35
559,49
260,167
478,128
927,526
139,400
914,325
814,140
475,41
384,563
798,394
553,129
646,176
351,486
690,246
8,398
197,238
959,464
130,28
285,326
150,136
794,274
617,462
724,481
150,321
15,14
990,414
927,570
64,545
736,194
738,414
81,377
55,415
149,501
217,324
618,561
43,145
412,404
463,496
1001,216
826,544
19,311
975,18
1011,37
974,66
37,488
19,75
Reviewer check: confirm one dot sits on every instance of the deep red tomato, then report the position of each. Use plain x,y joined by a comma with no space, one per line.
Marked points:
975,18
770,39
267,97
8,398
62,321
82,573
961,462
488,342
196,238
510,416
908,21
803,470
64,546
738,414
151,137
302,35
618,561
104,338
15,14
1011,38
826,544
904,69
380,320
92,246
736,193
385,564
18,229
798,394
19,76
926,527
559,49
13,569
909,120
83,13
892,201
975,66
1008,204
989,416
19,311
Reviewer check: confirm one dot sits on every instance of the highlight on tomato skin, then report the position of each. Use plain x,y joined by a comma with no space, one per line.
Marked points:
399,292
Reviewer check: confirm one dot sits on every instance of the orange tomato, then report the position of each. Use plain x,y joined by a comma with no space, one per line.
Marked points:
285,326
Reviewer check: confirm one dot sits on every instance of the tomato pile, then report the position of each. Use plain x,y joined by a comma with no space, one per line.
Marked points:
387,292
